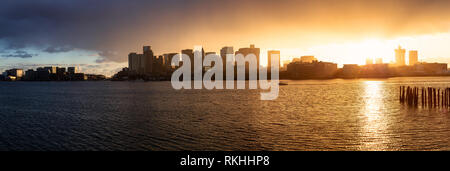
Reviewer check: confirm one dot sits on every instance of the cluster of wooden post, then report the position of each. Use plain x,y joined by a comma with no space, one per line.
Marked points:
429,97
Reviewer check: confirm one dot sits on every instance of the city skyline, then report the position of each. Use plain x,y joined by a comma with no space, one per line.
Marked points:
148,53
340,32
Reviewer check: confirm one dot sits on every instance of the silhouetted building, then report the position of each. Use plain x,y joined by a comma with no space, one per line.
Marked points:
298,60
134,62
250,50
190,54
247,51
431,68
31,75
43,74
79,77
94,77
146,61
168,57
375,71
400,56
52,69
413,57
306,59
314,70
141,64
72,70
17,73
223,54
350,71
269,57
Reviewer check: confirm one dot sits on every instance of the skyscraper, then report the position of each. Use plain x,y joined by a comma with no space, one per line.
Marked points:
413,57
250,50
147,60
369,61
269,57
141,63
400,56
190,54
223,53
168,59
134,62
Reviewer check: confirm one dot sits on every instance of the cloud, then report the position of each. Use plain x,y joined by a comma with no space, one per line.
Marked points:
113,28
53,49
19,54
107,56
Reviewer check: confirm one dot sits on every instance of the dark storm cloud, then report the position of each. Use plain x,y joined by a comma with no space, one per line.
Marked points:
53,49
113,27
61,26
19,54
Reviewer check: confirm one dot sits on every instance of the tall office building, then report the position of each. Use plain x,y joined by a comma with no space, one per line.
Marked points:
413,57
190,54
168,59
147,60
200,51
223,53
134,62
400,56
369,61
210,53
141,63
269,57
247,51
250,50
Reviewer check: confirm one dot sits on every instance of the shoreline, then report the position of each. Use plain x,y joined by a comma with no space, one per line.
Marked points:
318,79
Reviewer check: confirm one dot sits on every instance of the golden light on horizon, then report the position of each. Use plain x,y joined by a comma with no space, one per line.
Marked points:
431,48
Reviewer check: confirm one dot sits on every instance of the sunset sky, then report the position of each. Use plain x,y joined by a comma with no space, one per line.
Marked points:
98,35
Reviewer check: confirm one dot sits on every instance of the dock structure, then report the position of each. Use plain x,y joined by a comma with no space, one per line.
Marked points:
427,97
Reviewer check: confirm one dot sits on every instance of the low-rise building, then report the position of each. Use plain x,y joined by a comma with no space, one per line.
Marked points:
314,70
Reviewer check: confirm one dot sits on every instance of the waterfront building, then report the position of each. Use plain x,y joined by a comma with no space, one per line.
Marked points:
375,71
306,59
251,50
52,69
43,74
350,71
141,64
17,73
318,70
369,61
190,54
431,68
269,58
413,57
72,70
224,52
247,51
168,59
400,56
146,61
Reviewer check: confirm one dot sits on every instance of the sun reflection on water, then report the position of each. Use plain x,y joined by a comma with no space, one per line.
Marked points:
374,131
